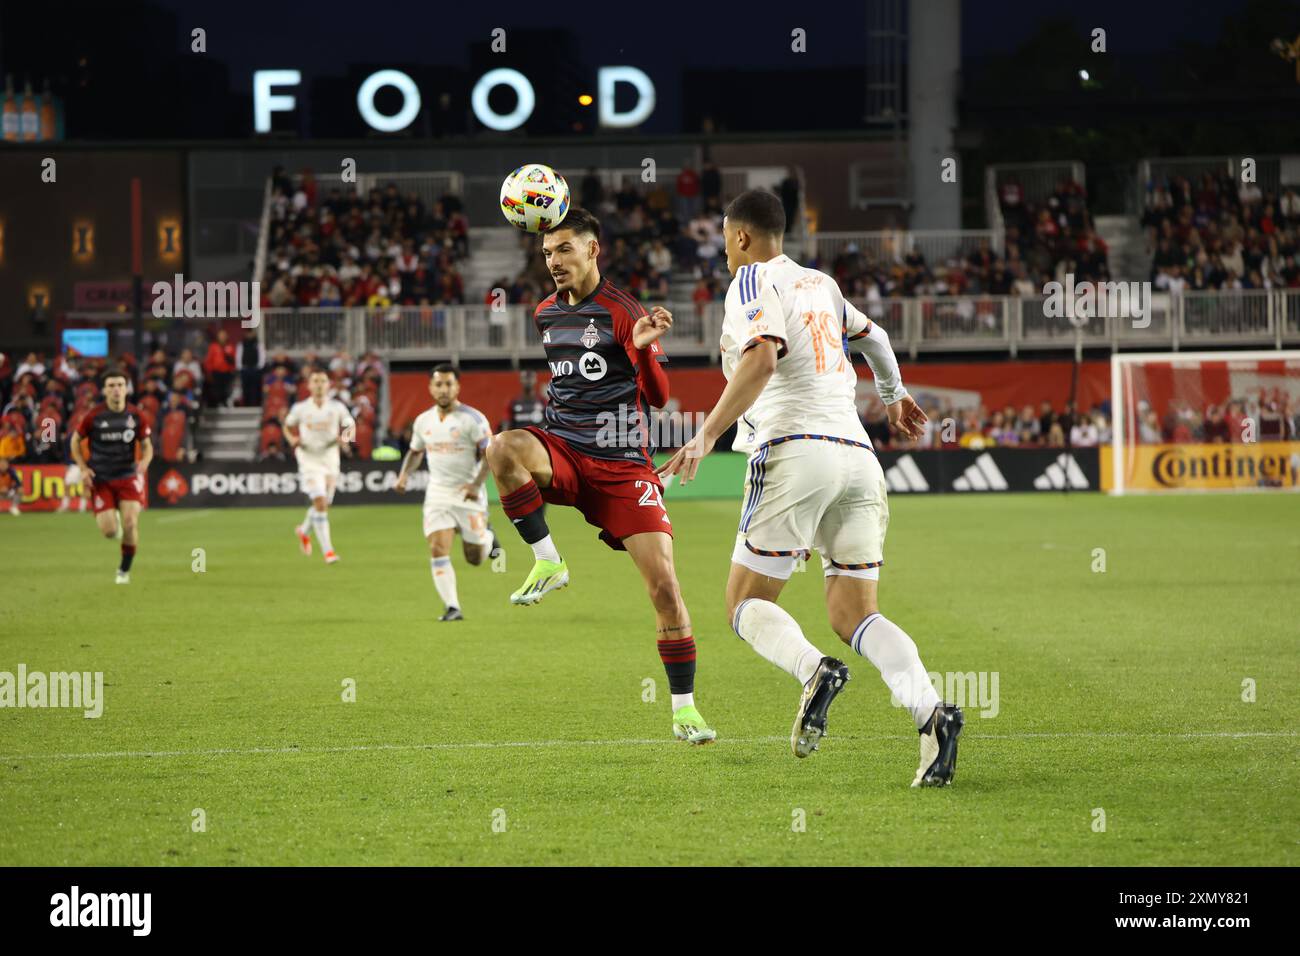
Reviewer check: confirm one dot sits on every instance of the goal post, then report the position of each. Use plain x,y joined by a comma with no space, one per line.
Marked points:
1203,421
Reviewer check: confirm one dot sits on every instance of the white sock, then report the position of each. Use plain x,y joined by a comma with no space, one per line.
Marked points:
887,645
683,700
305,527
544,550
771,631
444,579
320,522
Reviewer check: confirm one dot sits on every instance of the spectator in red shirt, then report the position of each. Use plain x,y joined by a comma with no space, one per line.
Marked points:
688,193
219,368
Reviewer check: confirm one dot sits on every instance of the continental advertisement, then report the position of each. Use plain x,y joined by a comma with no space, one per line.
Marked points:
1222,467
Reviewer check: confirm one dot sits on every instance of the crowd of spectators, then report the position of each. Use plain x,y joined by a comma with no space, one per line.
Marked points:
1044,242
45,399
1270,415
977,428
378,250
1218,233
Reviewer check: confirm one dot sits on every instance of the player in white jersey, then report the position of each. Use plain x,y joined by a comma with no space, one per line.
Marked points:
317,428
814,481
454,438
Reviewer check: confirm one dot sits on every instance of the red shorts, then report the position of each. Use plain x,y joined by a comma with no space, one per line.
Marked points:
105,494
621,498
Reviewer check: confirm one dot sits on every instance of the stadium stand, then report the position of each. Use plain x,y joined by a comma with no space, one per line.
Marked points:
1216,233
344,249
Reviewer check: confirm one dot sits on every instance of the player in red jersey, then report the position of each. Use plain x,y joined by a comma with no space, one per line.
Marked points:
112,447
592,452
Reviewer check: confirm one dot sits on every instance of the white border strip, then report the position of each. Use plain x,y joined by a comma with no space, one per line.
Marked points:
629,742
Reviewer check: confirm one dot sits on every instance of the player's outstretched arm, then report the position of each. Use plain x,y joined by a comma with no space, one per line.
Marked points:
756,366
872,341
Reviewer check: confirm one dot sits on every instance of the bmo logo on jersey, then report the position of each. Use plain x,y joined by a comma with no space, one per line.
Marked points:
593,367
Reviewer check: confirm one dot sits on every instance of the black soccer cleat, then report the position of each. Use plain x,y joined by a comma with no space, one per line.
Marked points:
939,747
810,720
452,614
494,549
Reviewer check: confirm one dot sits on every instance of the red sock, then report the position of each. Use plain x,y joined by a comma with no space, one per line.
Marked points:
523,507
678,656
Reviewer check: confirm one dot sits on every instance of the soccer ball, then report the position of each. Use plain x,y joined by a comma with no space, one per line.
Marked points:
534,198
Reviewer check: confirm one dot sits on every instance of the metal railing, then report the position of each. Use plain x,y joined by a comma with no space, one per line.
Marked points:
1268,318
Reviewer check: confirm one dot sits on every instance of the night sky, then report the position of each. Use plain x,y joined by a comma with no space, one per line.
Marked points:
315,38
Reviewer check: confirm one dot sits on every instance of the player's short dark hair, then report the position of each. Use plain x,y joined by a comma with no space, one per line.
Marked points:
445,368
114,372
580,221
759,211
318,370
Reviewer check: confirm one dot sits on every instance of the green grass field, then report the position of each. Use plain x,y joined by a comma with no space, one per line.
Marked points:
1119,690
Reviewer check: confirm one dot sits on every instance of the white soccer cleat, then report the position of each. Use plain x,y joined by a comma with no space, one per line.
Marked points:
331,557
304,540
939,747
123,577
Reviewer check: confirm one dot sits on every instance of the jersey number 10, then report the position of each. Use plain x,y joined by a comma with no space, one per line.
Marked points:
825,331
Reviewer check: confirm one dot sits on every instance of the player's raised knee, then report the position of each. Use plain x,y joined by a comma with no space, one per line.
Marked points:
506,448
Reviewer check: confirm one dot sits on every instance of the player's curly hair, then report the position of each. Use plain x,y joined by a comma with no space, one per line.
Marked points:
759,210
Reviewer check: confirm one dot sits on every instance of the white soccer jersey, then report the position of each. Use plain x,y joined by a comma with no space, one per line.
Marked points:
319,428
802,310
453,446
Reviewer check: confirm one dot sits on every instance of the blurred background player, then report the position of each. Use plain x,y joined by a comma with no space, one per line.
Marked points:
317,428
454,438
604,358
112,447
11,487
813,479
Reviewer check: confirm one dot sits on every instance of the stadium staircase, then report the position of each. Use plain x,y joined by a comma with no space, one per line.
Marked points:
229,434
1129,258
494,253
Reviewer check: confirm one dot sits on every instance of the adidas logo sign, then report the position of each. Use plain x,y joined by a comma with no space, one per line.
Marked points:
983,475
1065,470
905,476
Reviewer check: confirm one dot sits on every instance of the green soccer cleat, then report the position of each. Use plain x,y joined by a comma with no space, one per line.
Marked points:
689,726
546,576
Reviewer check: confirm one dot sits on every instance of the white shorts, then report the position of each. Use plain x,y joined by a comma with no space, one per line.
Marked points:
319,484
469,518
809,493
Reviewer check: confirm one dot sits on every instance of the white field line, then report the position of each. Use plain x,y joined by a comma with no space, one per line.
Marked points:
630,742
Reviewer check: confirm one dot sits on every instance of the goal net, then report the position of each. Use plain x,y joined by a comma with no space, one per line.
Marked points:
1207,421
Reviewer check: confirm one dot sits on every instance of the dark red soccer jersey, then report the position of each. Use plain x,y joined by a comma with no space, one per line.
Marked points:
602,387
113,437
